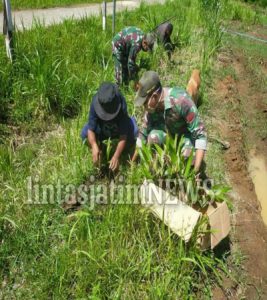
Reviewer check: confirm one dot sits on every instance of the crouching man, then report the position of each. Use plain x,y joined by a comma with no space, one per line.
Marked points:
125,46
163,32
109,119
170,110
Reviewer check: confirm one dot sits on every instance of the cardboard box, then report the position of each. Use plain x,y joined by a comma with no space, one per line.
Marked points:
182,219
219,225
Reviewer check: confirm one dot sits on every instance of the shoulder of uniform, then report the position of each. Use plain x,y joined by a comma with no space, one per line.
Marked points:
136,29
178,92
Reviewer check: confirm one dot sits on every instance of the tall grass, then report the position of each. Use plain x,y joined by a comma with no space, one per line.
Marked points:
27,4
257,2
49,79
113,251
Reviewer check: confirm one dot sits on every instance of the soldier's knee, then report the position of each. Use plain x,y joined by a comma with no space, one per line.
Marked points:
156,137
187,152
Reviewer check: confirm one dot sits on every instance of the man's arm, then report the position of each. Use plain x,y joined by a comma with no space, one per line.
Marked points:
196,127
91,136
114,162
93,144
198,159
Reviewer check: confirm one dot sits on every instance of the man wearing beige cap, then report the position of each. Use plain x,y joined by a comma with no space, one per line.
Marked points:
170,110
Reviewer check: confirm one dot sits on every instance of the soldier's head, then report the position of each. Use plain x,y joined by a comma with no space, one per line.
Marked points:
148,42
149,91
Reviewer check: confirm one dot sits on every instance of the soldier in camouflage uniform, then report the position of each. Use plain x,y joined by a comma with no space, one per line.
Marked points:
170,110
125,46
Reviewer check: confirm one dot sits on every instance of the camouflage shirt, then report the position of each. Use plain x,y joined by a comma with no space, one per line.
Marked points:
180,116
126,44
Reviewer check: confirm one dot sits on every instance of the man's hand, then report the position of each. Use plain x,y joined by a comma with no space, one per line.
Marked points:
198,178
93,144
95,153
135,155
114,163
136,86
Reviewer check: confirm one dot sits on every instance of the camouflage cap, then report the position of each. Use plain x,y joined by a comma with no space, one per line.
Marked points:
148,83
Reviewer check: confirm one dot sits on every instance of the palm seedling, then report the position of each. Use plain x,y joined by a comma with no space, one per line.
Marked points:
161,163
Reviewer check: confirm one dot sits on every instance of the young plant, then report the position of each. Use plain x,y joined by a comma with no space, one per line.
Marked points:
108,148
167,162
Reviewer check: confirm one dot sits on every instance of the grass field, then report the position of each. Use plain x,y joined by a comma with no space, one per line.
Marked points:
112,251
28,4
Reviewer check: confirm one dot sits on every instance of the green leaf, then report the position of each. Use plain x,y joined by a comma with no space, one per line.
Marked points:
188,165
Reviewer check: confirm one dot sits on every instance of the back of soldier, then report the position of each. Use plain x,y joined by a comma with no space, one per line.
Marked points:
164,31
125,39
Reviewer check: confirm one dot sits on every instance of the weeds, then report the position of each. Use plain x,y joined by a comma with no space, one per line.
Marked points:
26,4
114,250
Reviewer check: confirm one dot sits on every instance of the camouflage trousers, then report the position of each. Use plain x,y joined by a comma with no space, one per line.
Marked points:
159,136
121,69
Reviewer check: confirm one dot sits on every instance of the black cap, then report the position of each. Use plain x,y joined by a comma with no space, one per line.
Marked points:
107,102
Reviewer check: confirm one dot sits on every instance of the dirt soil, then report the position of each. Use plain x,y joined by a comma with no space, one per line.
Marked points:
241,96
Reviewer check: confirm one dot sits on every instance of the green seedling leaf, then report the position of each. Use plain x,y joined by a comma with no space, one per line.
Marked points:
10,221
188,165
89,256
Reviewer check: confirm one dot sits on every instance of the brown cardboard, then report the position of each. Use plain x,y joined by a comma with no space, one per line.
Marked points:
178,216
219,222
182,219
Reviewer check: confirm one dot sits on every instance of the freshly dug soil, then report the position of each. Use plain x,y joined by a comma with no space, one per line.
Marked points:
243,100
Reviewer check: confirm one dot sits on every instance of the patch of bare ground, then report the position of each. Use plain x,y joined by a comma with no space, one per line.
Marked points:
257,32
237,102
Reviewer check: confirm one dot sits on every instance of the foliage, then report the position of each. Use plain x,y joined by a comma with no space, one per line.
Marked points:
161,164
166,161
113,251
258,2
26,4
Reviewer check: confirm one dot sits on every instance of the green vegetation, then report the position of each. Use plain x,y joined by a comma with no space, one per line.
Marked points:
258,2
112,251
27,4
167,162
